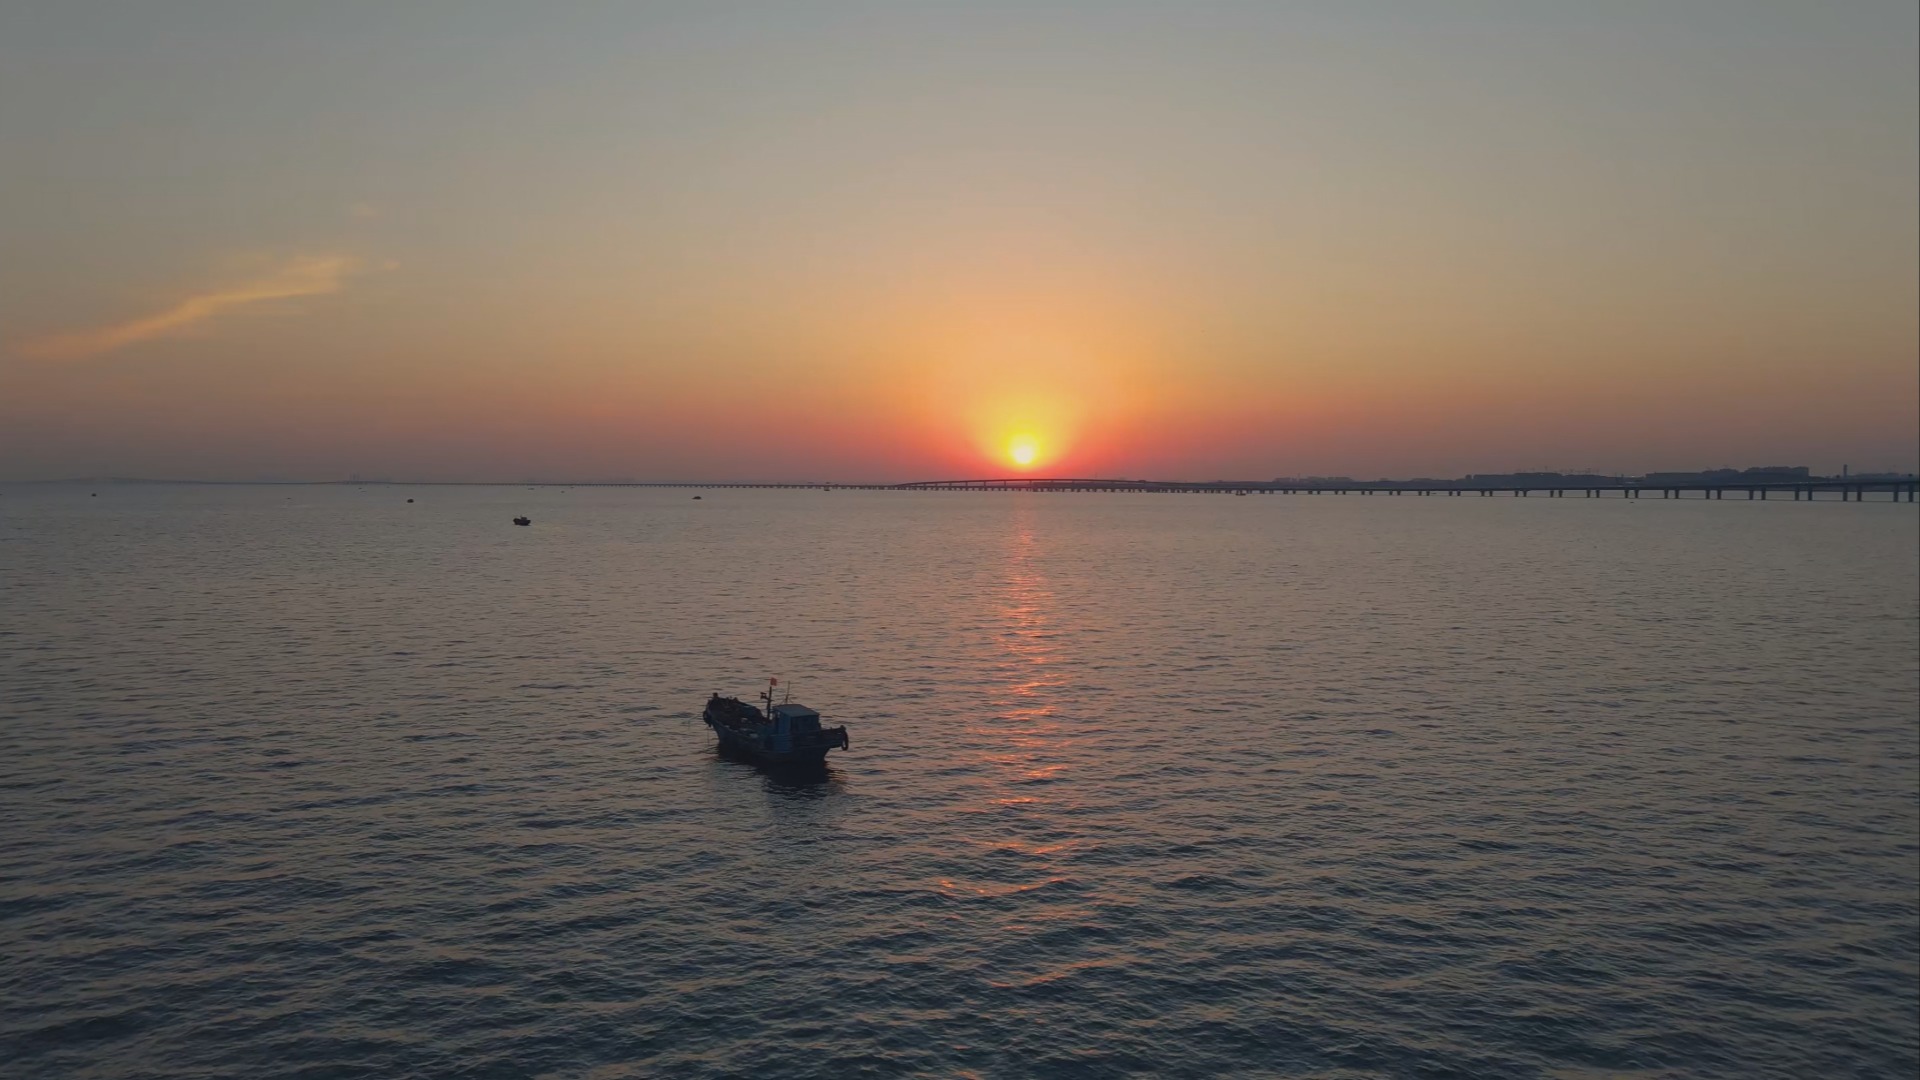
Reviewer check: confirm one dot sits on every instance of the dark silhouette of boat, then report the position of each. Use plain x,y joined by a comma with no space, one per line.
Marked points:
785,734
523,521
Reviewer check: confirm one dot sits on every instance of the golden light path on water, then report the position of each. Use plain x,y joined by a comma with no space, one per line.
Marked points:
1020,750
1016,737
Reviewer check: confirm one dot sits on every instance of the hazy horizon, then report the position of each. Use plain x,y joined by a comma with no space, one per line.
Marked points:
1006,474
869,242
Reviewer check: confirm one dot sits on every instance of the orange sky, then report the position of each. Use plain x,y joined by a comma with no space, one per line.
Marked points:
1216,240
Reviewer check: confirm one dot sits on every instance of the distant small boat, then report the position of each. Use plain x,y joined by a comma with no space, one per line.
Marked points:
785,734
696,496
523,521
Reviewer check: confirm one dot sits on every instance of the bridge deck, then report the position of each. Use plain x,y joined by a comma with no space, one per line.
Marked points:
1848,489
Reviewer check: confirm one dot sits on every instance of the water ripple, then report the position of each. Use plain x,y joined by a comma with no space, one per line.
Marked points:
339,786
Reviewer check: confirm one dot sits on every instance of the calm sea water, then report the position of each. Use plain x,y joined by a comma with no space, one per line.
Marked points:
310,781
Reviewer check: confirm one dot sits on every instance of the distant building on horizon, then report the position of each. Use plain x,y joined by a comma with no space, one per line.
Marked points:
1759,474
1537,479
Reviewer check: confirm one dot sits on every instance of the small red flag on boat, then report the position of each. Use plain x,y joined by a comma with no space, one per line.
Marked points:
774,682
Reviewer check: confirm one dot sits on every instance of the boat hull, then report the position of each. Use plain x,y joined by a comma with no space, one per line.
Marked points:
745,749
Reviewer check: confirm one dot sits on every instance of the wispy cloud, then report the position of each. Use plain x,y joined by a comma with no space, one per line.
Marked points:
312,275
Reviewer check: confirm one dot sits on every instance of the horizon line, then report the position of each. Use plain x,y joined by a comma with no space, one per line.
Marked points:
1313,480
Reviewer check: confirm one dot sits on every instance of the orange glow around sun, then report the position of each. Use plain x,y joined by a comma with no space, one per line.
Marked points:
1025,430
1031,393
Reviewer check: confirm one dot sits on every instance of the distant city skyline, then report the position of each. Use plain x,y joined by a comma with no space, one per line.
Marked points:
455,240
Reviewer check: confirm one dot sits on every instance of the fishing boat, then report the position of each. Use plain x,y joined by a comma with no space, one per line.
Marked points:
783,734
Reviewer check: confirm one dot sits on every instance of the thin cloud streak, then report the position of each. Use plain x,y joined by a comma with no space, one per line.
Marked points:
305,276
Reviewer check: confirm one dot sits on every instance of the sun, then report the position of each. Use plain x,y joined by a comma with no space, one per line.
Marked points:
1023,450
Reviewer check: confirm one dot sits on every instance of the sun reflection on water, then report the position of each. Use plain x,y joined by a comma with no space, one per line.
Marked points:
1028,636
1022,776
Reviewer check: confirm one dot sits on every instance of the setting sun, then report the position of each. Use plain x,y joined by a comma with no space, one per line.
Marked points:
1023,450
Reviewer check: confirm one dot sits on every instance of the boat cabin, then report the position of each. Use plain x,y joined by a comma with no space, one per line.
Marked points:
794,720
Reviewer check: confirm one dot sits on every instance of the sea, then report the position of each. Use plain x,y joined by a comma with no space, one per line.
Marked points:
366,781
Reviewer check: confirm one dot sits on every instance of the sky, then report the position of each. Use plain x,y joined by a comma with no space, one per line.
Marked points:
475,240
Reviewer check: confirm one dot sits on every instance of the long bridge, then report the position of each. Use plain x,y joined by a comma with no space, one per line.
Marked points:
1825,489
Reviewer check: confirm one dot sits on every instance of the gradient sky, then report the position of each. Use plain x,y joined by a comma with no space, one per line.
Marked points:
452,239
